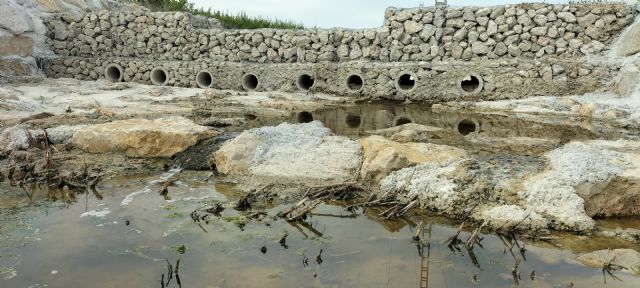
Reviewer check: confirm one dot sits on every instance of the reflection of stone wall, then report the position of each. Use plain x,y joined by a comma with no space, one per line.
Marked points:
421,34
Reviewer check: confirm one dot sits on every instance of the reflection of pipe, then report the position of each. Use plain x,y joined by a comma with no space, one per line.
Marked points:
114,73
159,76
468,126
304,117
204,79
250,82
305,82
354,83
401,120
353,120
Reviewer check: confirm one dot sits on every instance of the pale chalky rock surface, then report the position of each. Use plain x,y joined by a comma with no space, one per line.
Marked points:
291,151
630,41
553,194
162,137
619,195
511,216
383,156
441,186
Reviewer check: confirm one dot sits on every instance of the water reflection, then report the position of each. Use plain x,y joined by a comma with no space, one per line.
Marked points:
335,246
359,120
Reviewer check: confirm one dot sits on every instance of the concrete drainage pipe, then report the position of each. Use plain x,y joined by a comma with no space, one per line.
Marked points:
204,79
250,82
468,126
354,83
471,84
114,73
406,82
305,82
159,76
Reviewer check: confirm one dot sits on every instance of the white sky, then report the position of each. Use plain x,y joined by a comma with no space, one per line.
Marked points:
333,13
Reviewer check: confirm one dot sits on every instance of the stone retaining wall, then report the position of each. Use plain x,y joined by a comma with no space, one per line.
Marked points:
420,34
432,82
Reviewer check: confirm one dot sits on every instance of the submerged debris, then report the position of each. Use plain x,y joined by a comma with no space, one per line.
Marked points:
316,195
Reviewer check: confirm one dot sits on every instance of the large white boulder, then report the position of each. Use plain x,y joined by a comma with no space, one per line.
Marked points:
291,152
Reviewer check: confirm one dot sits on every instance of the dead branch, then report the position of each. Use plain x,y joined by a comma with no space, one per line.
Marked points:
474,238
165,185
453,240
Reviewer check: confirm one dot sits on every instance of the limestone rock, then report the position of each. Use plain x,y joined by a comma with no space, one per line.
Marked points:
439,185
479,48
162,137
629,259
50,6
16,45
382,156
411,27
506,216
630,41
14,18
555,193
567,17
619,194
404,15
290,152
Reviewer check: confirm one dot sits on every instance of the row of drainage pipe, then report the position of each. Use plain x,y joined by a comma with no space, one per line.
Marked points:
354,82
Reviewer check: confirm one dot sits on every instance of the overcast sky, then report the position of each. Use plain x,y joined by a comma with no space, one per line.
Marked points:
332,13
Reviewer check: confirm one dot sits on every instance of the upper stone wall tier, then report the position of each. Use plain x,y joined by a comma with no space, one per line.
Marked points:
419,34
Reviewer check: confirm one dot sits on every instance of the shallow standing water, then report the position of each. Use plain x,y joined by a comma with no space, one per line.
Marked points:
124,235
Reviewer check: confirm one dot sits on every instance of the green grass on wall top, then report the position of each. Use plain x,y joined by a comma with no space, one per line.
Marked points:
229,20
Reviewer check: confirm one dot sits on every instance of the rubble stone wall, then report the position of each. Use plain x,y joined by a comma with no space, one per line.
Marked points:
425,54
419,34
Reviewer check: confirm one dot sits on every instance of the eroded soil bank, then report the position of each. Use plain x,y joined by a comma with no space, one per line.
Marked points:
97,178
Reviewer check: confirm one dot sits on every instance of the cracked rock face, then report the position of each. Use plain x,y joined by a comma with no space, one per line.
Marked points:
382,156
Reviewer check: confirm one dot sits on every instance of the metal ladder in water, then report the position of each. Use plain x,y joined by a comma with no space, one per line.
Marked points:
424,266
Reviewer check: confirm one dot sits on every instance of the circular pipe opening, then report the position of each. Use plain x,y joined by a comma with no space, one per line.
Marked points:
250,82
466,127
304,117
159,76
406,82
402,120
353,120
114,73
471,84
204,79
355,82
305,82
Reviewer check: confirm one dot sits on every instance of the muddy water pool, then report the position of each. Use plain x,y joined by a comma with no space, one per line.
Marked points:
123,236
